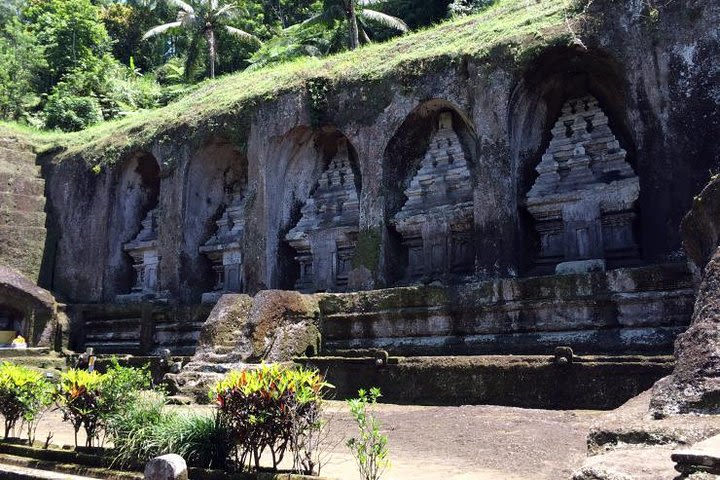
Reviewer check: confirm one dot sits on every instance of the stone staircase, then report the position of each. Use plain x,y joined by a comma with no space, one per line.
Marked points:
22,204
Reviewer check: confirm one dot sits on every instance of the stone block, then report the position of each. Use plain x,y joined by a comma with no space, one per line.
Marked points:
580,266
701,457
166,467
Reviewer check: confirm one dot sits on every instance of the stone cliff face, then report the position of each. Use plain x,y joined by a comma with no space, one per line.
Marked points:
654,80
22,207
694,386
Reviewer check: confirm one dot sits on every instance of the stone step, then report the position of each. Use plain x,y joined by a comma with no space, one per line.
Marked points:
12,182
23,248
118,347
22,202
44,363
13,218
23,352
15,472
179,326
19,159
15,143
116,335
32,468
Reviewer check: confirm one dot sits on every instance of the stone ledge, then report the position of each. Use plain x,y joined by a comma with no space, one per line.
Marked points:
632,425
509,380
71,462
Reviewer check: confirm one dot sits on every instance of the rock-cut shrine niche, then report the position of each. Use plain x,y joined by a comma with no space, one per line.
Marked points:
144,251
223,249
436,221
583,200
326,235
135,222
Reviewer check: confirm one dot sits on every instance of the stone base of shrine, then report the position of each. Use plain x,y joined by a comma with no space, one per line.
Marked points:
623,311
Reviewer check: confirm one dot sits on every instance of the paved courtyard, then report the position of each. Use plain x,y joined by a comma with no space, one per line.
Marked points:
458,443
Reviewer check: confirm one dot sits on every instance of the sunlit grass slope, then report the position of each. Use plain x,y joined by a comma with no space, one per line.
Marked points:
521,24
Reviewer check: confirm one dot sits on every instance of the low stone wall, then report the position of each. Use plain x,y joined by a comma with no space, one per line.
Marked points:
137,328
638,310
528,382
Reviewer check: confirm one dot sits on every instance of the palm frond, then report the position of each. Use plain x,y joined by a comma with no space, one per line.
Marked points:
226,10
364,38
326,17
243,35
384,19
186,19
181,5
160,29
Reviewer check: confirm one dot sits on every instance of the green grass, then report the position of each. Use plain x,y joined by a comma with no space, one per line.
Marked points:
519,25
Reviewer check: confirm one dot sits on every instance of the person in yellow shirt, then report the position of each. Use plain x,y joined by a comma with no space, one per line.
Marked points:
19,342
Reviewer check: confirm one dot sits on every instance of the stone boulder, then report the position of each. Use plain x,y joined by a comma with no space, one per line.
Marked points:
694,385
166,467
242,331
35,305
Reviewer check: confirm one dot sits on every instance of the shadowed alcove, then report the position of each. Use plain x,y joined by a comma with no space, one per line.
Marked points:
559,83
439,140
301,159
215,179
135,194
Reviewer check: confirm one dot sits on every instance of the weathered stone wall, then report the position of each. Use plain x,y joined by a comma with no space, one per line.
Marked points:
655,80
22,207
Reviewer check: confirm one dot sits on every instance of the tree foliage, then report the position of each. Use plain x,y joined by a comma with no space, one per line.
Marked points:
68,64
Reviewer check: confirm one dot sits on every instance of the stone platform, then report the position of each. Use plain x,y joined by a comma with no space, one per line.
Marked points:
531,381
137,328
623,311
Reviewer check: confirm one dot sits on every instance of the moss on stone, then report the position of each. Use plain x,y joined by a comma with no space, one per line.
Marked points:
367,252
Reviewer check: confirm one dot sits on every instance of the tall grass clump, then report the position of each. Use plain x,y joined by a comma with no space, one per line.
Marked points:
147,429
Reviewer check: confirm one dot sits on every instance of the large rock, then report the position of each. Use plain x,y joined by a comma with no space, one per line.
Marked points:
701,457
694,386
35,307
241,331
166,467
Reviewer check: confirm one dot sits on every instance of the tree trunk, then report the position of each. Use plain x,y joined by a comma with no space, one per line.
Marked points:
211,48
353,25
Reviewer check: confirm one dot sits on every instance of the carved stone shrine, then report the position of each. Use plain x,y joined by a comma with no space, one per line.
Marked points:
436,222
224,251
584,198
326,235
144,251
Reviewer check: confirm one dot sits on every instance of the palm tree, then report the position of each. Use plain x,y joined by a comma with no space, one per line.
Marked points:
348,10
202,18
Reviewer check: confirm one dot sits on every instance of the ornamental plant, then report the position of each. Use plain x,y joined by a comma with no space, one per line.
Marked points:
89,399
24,395
369,448
270,409
79,399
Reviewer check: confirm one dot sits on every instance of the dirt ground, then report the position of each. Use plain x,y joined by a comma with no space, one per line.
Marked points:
449,443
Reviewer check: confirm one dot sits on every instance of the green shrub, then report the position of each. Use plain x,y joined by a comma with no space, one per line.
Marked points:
370,447
24,394
71,113
269,409
145,429
89,399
